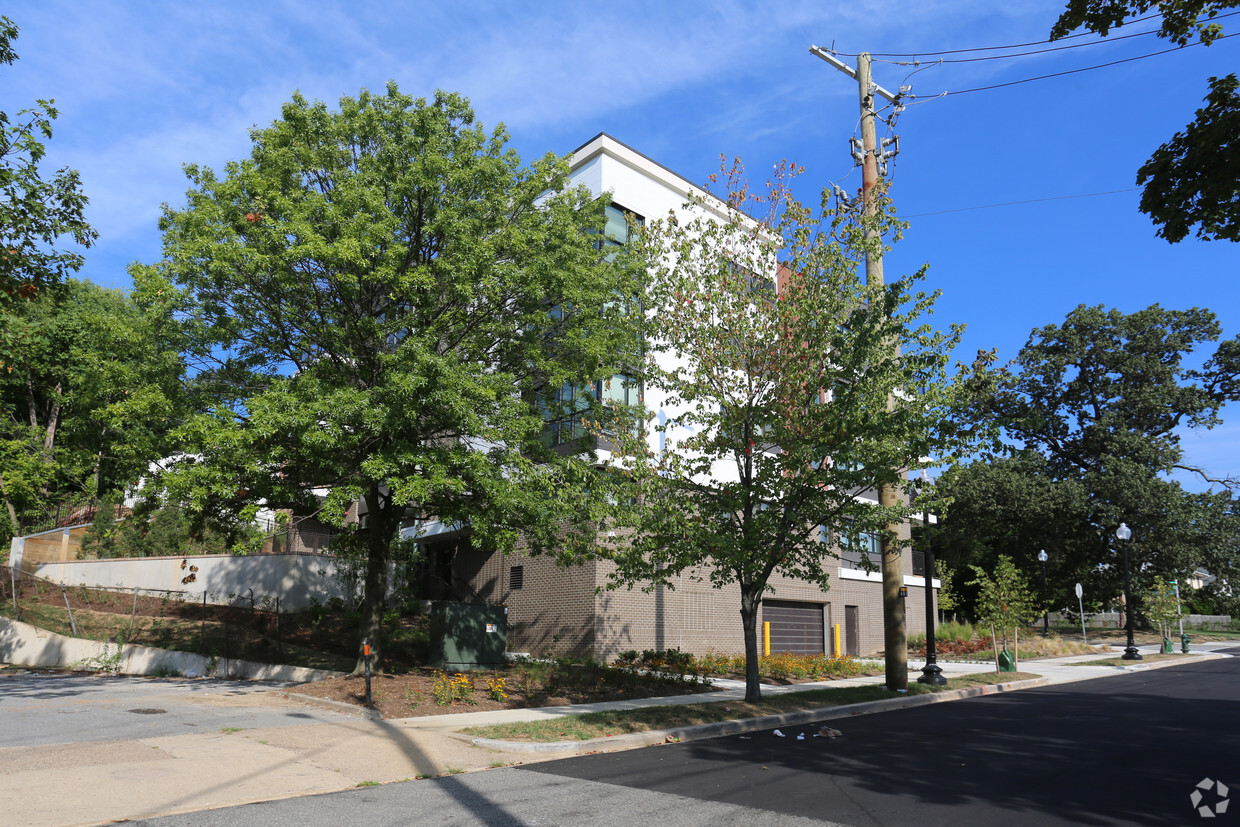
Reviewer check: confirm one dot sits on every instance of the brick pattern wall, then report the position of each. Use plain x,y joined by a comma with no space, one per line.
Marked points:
553,613
558,611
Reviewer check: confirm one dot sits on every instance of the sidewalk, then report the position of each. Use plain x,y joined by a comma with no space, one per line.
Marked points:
100,782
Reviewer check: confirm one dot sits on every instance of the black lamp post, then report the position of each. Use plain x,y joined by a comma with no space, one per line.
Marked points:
1124,533
1046,618
930,673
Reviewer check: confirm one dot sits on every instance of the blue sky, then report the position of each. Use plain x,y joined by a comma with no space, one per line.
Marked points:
144,87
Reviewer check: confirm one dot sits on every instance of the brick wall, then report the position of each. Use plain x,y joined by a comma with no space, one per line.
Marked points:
570,611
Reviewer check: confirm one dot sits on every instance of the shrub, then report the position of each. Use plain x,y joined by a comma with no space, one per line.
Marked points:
955,632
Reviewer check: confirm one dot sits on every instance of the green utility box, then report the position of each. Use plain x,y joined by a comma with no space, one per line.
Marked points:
1007,662
468,635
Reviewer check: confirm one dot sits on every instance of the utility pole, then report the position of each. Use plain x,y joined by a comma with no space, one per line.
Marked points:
895,628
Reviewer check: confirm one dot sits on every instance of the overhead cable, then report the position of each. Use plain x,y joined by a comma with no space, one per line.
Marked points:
985,48
1027,201
1076,71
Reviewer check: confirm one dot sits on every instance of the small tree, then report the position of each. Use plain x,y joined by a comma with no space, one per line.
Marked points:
1161,605
1006,602
946,595
773,393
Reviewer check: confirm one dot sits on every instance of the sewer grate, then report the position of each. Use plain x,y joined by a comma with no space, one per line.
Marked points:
148,711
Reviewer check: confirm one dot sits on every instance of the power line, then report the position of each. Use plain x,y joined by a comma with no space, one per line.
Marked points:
1076,71
983,48
1027,201
1034,51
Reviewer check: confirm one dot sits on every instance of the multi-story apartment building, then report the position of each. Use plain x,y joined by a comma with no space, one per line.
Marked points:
562,610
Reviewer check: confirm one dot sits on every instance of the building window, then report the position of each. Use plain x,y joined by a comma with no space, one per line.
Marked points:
860,550
564,408
616,229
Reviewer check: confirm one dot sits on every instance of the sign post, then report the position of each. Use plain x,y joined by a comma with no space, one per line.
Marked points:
366,658
1080,602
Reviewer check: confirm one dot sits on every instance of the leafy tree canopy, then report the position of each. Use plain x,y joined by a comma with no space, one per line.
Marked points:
1091,409
1181,21
90,384
1193,179
35,211
774,396
380,294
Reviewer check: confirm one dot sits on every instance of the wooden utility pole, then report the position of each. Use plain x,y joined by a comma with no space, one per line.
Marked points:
895,629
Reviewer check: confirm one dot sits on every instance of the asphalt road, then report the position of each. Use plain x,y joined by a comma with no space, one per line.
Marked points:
43,708
1124,750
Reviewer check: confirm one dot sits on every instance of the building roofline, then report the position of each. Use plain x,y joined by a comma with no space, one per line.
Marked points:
605,144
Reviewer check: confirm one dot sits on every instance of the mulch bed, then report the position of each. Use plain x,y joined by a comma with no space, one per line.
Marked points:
411,694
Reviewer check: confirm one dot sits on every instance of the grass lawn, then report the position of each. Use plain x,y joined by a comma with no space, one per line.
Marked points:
620,722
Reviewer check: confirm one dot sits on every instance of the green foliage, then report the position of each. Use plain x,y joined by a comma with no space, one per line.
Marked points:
368,295
1181,21
90,387
750,462
98,541
947,598
954,632
153,530
36,211
1193,178
1005,601
1093,410
1160,605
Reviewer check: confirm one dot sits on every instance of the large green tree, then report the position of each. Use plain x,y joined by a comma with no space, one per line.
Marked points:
381,296
89,401
1092,409
36,211
773,395
1194,178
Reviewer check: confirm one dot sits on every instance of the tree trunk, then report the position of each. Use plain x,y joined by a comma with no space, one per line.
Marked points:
751,597
994,640
378,545
8,504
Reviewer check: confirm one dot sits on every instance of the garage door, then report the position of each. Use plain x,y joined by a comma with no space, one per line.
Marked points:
795,627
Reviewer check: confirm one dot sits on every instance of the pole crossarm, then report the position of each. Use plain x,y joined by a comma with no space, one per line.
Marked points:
818,51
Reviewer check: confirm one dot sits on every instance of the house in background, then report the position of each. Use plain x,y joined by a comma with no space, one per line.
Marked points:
553,610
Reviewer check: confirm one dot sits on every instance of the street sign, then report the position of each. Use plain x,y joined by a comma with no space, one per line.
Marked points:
1081,604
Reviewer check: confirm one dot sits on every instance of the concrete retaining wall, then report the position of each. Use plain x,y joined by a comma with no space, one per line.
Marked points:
24,645
296,579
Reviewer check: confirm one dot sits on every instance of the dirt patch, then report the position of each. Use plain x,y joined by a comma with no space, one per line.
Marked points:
412,694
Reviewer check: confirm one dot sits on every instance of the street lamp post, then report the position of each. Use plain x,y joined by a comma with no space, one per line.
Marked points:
931,673
1124,533
1046,618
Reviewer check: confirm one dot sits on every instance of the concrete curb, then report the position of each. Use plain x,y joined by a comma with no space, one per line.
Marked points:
335,706
699,731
